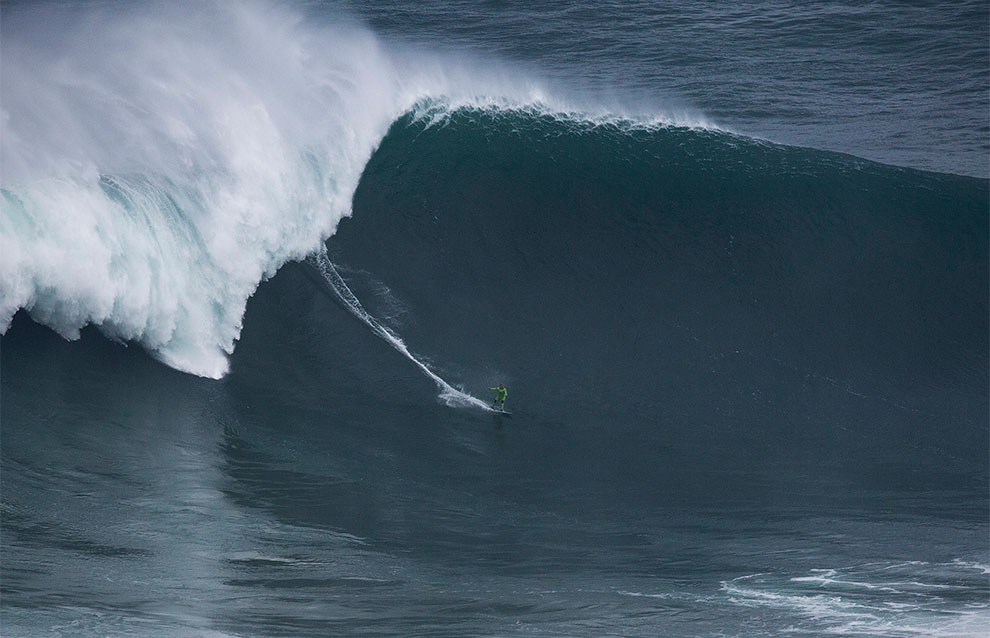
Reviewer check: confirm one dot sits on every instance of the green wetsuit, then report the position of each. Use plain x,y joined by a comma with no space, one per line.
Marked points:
500,395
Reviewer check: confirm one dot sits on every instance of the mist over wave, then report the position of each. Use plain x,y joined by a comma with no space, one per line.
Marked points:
159,162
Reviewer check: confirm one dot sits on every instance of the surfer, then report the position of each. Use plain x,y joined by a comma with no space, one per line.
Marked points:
500,394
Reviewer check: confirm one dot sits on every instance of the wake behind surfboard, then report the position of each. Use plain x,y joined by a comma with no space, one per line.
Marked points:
328,273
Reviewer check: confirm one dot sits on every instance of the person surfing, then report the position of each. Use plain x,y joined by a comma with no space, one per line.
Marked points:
500,394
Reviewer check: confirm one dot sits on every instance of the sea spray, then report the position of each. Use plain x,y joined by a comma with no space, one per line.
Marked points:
159,162
153,174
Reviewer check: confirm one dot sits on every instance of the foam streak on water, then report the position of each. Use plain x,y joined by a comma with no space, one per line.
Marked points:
918,598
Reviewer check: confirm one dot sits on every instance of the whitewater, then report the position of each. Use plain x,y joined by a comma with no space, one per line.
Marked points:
158,163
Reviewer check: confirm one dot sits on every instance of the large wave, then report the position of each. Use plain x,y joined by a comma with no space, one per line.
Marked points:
159,162
763,282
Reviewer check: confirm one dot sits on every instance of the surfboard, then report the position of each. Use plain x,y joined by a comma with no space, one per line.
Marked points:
502,412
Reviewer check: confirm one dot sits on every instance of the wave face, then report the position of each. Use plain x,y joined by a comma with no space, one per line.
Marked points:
626,270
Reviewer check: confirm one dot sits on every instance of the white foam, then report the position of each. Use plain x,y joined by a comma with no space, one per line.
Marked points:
864,600
159,161
234,139
982,567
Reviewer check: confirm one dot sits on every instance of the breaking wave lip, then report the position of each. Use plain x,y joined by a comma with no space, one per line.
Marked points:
436,109
159,162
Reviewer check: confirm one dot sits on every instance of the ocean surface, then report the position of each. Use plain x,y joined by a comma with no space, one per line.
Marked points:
261,263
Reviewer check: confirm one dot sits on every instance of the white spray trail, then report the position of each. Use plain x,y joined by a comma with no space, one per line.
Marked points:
448,393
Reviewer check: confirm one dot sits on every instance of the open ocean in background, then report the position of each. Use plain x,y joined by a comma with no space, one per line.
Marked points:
260,263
